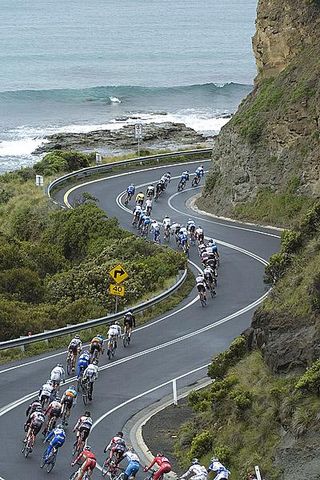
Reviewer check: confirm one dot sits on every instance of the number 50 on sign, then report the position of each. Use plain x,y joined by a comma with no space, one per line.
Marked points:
115,289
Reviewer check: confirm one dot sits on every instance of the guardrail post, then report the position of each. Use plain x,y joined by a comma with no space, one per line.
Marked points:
22,347
258,474
174,390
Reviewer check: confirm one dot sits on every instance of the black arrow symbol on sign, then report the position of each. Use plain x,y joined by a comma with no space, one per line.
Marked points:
119,272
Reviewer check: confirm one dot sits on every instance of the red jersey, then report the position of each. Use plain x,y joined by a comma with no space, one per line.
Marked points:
84,455
160,460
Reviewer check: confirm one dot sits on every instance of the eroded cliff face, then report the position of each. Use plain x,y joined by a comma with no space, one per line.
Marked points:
272,142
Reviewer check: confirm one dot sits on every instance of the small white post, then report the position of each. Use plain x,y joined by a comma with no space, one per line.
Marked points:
98,158
174,390
258,474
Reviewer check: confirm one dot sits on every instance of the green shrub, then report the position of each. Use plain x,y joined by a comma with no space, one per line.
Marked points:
227,359
291,241
201,444
23,284
223,453
242,398
310,380
276,268
63,161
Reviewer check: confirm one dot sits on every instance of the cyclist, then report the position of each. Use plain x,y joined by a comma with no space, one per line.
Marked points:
89,462
129,322
133,464
146,223
163,184
184,177
150,191
168,177
175,228
141,219
136,214
200,234
74,348
202,248
114,332
209,277
68,400
34,423
201,286
196,471
130,191
148,206
91,374
166,223
199,172
83,425
82,364
158,189
57,375
45,393
57,437
191,227
140,198
117,447
54,410
155,229
33,408
163,464
220,470
96,344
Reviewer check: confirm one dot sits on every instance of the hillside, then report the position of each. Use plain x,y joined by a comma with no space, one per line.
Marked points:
266,159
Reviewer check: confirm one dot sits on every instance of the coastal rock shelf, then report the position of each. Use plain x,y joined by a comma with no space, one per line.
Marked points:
161,134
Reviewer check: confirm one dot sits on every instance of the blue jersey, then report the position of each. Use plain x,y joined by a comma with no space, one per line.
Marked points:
147,221
131,190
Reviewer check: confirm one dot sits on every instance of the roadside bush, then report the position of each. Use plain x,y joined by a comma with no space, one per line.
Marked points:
310,380
242,398
276,268
227,359
60,161
23,284
291,241
223,453
201,444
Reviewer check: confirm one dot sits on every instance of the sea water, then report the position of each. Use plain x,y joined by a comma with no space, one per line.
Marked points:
81,65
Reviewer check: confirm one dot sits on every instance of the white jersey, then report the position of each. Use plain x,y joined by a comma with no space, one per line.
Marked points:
220,470
164,179
199,280
75,342
183,231
199,231
166,222
208,271
148,203
196,470
155,225
137,209
175,227
46,390
132,457
114,330
91,372
57,374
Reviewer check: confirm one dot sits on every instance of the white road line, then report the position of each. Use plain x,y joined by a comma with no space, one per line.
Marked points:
66,195
214,221
7,408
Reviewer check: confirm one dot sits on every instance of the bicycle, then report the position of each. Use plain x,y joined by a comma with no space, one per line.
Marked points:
128,198
111,348
65,415
70,363
28,444
151,474
126,339
78,445
110,468
195,181
50,461
181,185
166,234
76,474
51,424
211,288
85,391
203,299
144,230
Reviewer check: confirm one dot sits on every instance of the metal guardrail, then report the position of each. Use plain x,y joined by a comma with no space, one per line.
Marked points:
47,335
85,172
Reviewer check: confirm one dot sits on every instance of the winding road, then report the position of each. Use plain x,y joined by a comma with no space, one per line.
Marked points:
170,346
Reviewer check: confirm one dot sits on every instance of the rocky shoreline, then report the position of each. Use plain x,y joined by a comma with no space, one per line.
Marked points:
155,135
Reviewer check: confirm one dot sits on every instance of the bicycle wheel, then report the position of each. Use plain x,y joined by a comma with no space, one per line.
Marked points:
125,340
212,291
51,461
73,475
43,462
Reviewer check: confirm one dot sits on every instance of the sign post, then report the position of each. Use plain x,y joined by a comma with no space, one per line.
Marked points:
138,135
39,181
98,158
119,275
258,474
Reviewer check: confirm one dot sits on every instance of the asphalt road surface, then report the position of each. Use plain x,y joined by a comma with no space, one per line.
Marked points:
172,345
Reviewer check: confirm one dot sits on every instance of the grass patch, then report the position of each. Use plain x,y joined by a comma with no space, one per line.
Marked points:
280,209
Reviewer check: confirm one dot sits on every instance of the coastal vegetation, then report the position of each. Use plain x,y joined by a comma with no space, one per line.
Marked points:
54,263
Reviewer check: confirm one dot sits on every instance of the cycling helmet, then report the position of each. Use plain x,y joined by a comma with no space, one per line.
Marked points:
168,173
120,434
38,408
87,414
214,459
77,336
194,461
85,352
49,382
159,454
116,322
59,365
72,388
130,312
95,361
87,447
60,426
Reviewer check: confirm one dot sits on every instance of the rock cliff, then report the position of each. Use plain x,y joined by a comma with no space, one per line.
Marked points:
272,143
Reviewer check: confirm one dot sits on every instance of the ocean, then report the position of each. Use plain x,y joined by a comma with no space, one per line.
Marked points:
82,65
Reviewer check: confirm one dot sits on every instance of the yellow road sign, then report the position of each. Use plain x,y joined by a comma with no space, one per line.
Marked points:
115,289
118,274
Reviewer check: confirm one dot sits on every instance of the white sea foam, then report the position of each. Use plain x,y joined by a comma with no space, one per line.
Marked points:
114,99
20,147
